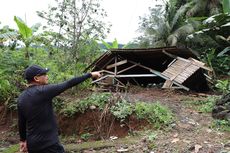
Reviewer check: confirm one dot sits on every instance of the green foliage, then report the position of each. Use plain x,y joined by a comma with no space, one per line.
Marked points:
88,53
227,49
122,109
219,64
221,125
141,110
176,23
12,149
223,86
26,34
70,109
152,136
167,25
13,64
204,8
58,103
4,88
79,22
97,99
11,70
46,50
86,136
8,35
207,106
204,105
215,42
155,113
113,45
226,6
24,30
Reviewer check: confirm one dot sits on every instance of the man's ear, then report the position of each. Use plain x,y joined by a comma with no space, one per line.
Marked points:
36,79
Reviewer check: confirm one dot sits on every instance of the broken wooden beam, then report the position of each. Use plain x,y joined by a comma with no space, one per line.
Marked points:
126,69
103,77
116,64
133,75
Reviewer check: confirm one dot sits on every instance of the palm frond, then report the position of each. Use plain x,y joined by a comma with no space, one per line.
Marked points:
179,13
172,40
214,7
180,34
185,30
227,49
198,6
159,43
204,7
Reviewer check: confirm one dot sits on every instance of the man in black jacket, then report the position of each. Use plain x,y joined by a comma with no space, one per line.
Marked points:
37,123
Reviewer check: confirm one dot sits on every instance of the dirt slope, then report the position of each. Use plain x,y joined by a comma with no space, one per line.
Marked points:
191,132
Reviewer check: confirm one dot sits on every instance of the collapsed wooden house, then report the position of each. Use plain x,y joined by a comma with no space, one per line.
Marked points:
169,67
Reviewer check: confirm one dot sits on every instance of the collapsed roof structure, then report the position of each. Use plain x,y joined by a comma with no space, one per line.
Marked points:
170,67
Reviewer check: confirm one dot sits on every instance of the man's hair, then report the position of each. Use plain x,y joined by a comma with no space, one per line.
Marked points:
30,80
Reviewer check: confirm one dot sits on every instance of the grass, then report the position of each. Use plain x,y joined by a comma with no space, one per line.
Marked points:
12,149
221,125
100,144
205,105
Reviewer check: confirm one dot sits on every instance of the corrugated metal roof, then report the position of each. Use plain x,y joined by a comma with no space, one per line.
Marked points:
146,55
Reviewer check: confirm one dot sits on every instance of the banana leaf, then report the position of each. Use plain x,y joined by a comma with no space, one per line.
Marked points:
24,30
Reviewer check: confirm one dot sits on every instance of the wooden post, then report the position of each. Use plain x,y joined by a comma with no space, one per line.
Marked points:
115,68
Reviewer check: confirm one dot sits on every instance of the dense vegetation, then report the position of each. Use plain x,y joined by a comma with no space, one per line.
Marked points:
202,26
120,108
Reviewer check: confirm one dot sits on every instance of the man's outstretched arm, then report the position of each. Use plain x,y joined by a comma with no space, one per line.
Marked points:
55,89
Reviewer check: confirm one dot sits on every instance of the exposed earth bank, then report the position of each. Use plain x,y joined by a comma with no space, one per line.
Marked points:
192,131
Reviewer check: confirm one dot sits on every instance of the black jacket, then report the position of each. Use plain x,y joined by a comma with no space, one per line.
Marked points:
36,118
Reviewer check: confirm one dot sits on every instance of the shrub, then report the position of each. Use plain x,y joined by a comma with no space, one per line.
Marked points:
122,109
221,125
204,106
86,136
155,113
96,99
11,70
223,86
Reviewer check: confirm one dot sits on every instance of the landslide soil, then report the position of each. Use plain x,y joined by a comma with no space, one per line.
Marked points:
191,131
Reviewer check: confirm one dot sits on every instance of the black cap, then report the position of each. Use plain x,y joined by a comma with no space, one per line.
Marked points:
33,71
